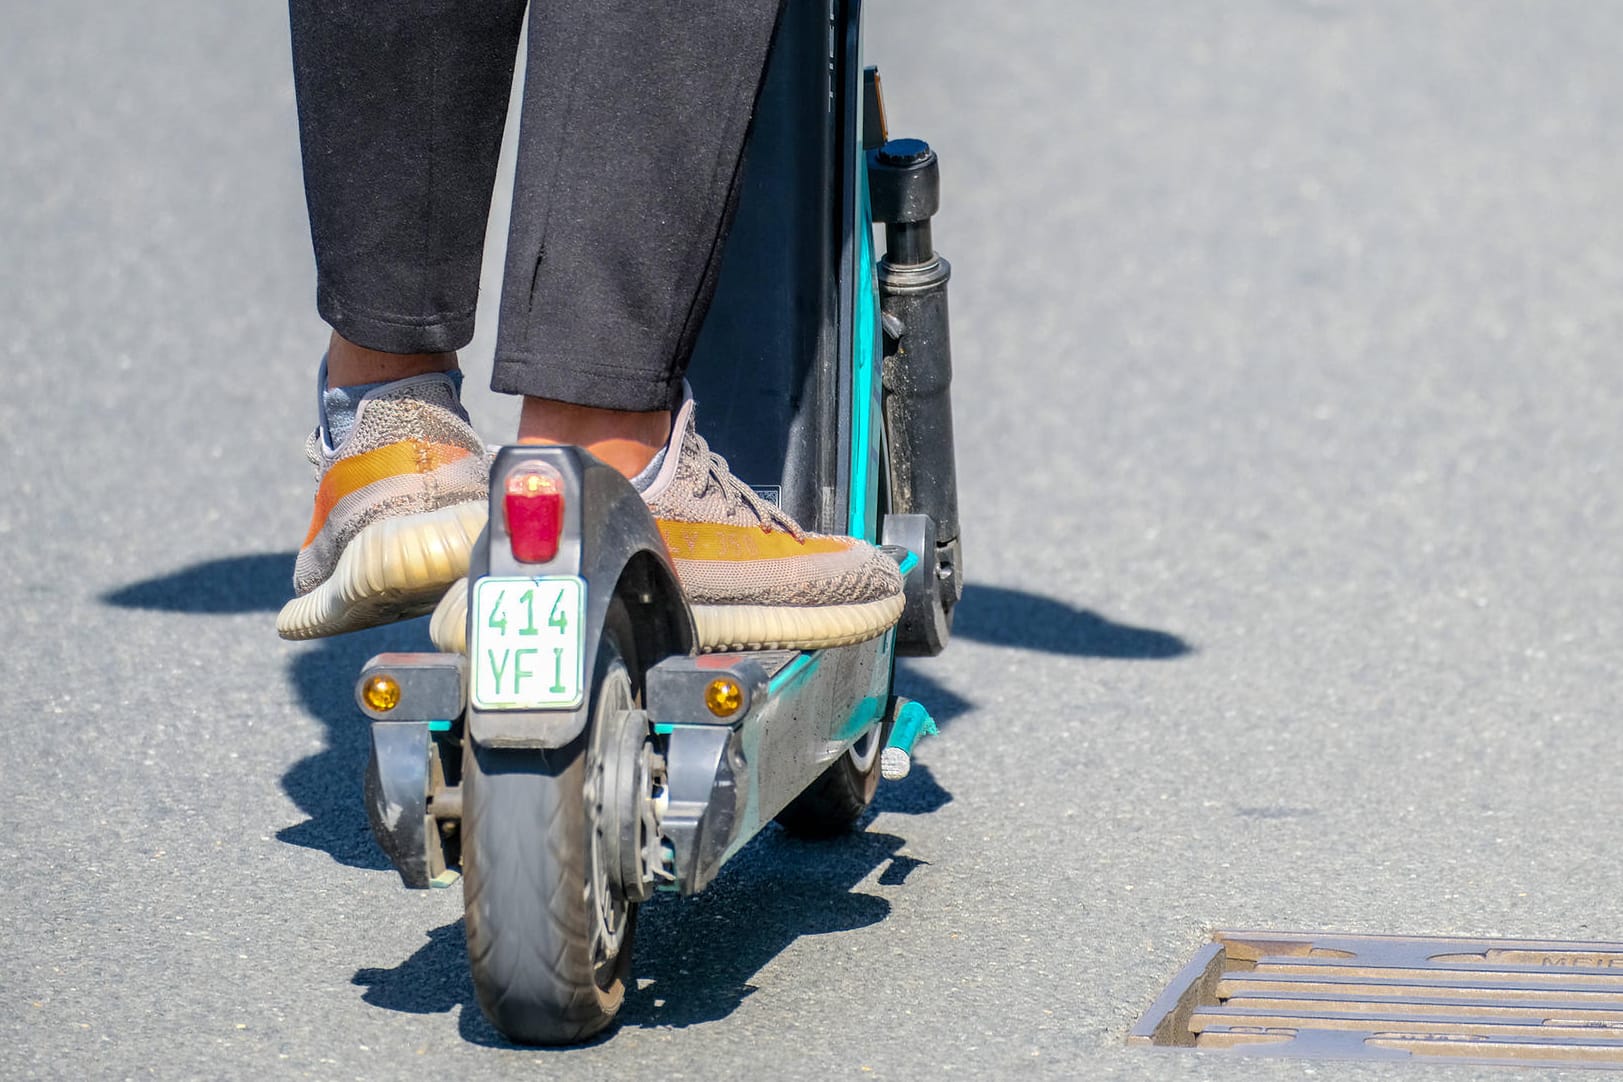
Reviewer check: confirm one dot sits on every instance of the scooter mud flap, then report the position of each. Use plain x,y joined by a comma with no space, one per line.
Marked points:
707,778
399,773
409,697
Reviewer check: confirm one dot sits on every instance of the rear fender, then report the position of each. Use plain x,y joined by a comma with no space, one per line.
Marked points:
610,540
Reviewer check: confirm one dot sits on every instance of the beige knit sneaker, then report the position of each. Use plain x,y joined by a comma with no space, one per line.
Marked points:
400,503
754,579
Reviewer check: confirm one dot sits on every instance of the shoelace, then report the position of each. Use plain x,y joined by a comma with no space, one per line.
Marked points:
713,471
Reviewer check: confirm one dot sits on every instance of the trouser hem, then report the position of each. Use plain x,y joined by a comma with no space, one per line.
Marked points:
598,386
395,334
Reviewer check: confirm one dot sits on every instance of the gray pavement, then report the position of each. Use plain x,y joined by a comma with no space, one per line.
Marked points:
1289,414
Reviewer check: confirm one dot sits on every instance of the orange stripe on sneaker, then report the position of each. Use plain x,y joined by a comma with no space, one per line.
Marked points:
714,541
349,475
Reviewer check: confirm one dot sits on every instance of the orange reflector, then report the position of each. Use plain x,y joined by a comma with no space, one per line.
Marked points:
382,693
723,697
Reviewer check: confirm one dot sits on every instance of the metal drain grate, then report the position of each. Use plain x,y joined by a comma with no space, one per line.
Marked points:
1506,1001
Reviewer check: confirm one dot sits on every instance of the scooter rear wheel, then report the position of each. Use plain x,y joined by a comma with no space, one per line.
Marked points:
549,945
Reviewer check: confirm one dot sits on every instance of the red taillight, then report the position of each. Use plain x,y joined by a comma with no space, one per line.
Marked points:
534,502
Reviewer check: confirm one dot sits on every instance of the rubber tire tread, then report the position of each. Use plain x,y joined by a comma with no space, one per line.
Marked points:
525,856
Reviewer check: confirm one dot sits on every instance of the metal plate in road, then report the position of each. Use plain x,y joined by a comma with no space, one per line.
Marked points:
1504,1001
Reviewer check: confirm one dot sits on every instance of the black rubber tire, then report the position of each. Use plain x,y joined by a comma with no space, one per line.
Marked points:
526,857
834,803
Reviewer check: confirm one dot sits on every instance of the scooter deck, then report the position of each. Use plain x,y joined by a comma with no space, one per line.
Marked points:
791,715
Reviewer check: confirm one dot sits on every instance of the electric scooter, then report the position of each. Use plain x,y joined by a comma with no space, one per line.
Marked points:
583,754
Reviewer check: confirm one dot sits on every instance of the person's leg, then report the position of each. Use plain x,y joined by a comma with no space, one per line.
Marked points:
350,365
631,143
635,118
628,440
401,110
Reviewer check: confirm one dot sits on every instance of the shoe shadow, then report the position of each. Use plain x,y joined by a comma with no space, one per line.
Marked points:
258,582
775,892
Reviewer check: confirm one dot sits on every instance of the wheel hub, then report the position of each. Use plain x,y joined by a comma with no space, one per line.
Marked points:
625,826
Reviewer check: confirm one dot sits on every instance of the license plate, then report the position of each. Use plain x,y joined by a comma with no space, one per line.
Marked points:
526,645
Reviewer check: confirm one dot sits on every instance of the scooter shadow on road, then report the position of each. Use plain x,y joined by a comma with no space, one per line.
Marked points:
776,891
326,786
696,957
1004,616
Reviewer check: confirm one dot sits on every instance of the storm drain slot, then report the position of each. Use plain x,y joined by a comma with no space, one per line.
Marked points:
1506,1001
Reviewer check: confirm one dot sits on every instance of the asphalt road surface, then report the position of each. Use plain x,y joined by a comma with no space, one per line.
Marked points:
1289,403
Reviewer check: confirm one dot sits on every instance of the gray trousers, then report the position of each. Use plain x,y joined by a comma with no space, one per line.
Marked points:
631,139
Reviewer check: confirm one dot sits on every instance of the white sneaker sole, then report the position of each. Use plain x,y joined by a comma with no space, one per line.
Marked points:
723,627
394,569
767,627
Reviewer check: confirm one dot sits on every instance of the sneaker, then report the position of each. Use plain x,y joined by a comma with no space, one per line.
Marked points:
400,503
753,578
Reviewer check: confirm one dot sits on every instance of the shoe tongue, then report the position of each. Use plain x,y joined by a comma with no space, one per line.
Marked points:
341,407
338,409
675,452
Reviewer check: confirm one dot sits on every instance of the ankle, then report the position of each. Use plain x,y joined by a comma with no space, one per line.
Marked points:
627,441
349,365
